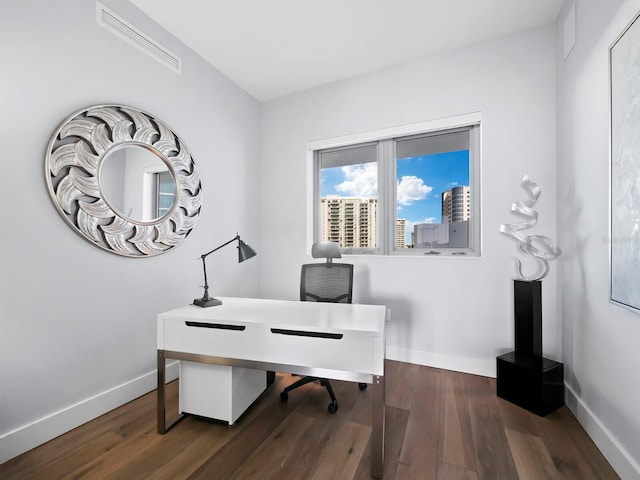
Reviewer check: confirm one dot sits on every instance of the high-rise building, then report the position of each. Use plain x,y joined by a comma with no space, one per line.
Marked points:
401,229
456,204
350,221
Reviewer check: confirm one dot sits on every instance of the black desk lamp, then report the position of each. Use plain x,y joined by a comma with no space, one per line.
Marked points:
245,252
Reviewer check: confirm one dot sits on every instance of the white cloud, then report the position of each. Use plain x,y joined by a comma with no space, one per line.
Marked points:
361,180
412,188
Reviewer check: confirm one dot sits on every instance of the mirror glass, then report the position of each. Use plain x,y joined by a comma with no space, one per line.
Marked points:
136,183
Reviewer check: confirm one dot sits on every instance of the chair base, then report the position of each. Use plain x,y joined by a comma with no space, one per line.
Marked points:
332,407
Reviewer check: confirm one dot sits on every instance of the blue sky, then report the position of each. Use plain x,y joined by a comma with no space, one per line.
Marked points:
420,183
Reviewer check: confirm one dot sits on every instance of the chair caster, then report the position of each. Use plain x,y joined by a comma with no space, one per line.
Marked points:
284,396
333,407
362,386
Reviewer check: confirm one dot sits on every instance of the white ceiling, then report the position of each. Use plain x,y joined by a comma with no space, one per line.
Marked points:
276,47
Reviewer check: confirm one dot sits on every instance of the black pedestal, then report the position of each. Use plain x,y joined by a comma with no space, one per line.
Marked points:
524,377
535,384
527,306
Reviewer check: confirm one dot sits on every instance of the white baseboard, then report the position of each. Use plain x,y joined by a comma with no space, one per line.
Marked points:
476,366
616,455
36,433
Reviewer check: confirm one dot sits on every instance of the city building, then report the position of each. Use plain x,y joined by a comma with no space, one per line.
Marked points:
434,235
401,232
350,221
456,204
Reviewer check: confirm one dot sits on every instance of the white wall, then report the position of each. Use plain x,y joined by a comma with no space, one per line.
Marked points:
449,312
78,323
600,340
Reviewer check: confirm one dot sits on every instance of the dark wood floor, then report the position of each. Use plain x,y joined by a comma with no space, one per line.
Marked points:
440,425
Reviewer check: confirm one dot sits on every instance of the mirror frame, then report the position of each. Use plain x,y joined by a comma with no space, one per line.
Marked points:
73,160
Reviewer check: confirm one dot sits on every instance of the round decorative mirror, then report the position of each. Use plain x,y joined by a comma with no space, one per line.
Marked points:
123,180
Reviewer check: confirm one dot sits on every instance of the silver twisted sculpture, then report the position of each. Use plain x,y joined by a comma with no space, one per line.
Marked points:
540,247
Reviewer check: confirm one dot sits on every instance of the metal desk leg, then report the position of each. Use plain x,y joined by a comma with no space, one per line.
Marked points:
377,438
162,403
161,393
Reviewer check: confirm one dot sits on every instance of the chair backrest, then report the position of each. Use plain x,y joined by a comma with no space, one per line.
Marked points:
326,282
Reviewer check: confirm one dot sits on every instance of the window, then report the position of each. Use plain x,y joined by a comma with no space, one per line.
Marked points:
413,190
348,196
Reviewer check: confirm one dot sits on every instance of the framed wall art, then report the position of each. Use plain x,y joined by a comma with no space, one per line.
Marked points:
624,215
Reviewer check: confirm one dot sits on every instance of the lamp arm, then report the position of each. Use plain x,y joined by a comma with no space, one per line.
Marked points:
237,237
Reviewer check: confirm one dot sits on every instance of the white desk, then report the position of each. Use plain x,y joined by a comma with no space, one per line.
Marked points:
327,340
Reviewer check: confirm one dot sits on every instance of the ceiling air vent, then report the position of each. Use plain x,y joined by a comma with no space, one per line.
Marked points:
112,22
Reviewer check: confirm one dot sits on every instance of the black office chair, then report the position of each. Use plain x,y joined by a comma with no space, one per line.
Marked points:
324,282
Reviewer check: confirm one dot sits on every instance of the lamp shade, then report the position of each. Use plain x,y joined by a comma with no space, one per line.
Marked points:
245,252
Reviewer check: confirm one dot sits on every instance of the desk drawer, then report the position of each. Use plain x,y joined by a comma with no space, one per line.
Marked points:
353,351
216,339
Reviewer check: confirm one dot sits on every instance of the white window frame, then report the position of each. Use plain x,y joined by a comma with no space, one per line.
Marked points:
387,196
